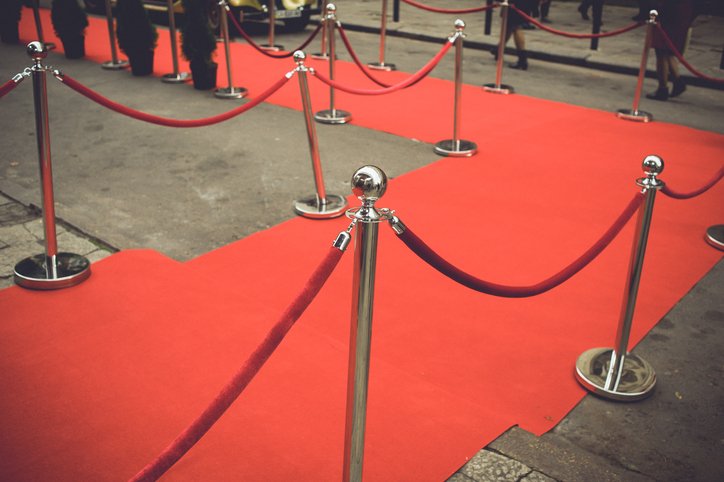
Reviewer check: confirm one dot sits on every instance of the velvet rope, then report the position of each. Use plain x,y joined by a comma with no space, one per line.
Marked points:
7,87
356,59
542,26
231,391
442,10
681,58
688,195
412,80
164,121
433,259
271,54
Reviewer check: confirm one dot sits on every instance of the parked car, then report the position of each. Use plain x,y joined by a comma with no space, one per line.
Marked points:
295,14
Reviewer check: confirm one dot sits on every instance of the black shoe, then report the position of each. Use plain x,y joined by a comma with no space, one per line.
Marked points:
660,94
584,13
678,88
520,65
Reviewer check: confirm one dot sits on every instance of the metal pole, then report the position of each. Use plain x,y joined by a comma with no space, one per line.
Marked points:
497,87
228,92
323,55
39,25
270,45
455,147
381,65
368,184
614,372
321,205
597,12
634,114
332,115
50,270
488,17
176,77
114,63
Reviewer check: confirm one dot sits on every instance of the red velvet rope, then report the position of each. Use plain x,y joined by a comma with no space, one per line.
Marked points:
454,273
7,87
356,59
413,79
681,58
442,10
164,121
575,35
243,376
688,195
260,49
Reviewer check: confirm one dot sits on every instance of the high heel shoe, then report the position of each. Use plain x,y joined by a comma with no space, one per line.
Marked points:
522,64
661,94
678,88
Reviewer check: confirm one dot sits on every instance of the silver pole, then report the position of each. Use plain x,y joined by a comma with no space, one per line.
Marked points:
175,77
39,25
614,372
271,46
48,270
114,63
228,92
332,115
381,65
455,147
321,205
498,87
368,184
323,55
634,113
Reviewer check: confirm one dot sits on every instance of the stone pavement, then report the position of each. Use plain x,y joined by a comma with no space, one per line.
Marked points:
674,435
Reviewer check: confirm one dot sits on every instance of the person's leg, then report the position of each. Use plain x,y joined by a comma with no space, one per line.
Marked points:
679,84
662,76
519,39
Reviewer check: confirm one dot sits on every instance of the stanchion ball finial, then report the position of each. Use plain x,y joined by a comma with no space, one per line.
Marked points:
299,56
653,165
37,50
331,8
369,183
459,25
652,15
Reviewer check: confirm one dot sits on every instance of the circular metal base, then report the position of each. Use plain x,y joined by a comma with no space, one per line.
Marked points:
333,116
320,56
271,48
49,45
231,92
381,66
179,78
309,207
71,270
111,65
637,379
452,148
715,236
498,89
634,115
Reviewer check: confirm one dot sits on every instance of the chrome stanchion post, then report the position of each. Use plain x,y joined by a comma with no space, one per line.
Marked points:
229,92
368,184
50,270
456,147
176,77
498,87
39,25
715,236
114,63
614,373
323,54
382,65
634,114
332,115
271,46
321,205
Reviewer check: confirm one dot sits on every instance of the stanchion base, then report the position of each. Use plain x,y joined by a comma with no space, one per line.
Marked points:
111,65
179,78
715,236
320,56
381,66
230,92
634,115
309,207
637,380
460,148
49,45
271,48
72,269
499,89
332,116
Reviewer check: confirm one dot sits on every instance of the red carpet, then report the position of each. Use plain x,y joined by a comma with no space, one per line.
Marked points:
99,378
